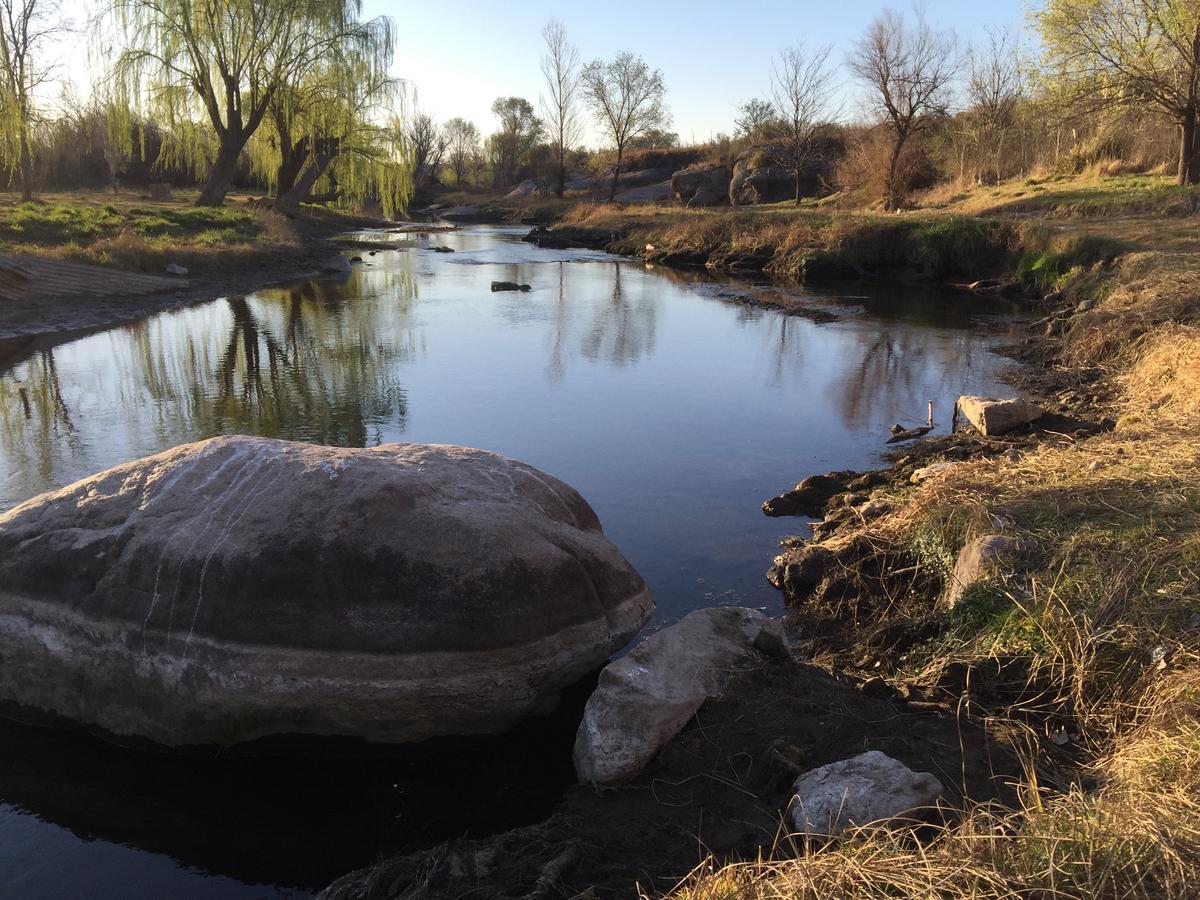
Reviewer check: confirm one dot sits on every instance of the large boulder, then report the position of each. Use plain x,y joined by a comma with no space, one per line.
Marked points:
707,179
645,698
651,193
243,587
993,417
870,787
756,178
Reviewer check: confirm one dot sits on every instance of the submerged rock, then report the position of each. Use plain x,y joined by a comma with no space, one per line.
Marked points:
870,787
509,286
645,698
243,587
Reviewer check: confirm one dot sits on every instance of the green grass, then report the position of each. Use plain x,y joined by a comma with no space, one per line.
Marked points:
48,224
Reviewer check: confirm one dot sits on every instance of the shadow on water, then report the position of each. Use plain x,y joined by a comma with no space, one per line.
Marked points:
283,813
674,408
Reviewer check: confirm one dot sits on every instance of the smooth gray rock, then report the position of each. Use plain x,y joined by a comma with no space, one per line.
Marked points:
242,587
651,193
992,417
645,698
870,787
712,180
981,558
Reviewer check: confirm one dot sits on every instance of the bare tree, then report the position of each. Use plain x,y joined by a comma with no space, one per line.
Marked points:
429,143
994,88
754,117
26,26
462,139
908,72
626,97
560,68
802,85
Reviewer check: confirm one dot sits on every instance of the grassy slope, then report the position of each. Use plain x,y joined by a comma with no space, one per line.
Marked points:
1102,615
130,232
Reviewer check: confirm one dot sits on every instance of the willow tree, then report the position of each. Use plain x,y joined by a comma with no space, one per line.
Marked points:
26,26
1130,53
332,125
209,69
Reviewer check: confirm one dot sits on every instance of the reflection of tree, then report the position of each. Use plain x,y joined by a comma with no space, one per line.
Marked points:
623,329
897,362
555,368
34,417
314,361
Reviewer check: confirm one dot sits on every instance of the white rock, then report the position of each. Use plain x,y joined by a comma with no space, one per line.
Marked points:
645,698
870,787
992,417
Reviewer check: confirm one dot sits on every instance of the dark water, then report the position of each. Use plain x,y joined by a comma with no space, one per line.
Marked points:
673,409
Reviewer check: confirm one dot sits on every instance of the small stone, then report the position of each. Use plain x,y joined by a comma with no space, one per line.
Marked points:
873,509
926,472
176,269
983,557
870,787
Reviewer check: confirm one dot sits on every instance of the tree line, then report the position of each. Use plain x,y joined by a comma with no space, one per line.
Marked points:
298,96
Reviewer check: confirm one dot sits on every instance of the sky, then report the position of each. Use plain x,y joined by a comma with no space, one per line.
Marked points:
460,55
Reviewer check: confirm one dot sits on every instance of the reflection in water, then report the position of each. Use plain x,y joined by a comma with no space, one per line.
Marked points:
672,409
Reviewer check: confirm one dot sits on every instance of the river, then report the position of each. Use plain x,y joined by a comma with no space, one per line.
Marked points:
671,405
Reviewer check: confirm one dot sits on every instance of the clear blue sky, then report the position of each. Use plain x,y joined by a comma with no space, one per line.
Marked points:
462,55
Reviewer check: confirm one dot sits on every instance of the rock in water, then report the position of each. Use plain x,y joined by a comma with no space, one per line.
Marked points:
867,788
243,587
645,698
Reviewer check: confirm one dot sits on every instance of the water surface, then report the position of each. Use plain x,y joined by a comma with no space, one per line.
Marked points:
673,408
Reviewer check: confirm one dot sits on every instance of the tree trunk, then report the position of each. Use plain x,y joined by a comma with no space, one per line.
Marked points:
612,191
797,185
318,162
1189,152
26,166
892,188
292,158
221,177
562,174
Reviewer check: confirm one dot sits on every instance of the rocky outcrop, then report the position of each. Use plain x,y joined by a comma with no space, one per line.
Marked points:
757,179
706,181
645,698
242,587
870,787
704,198
992,417
530,187
652,193
984,557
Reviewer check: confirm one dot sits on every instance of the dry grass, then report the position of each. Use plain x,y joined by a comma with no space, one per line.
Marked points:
1135,836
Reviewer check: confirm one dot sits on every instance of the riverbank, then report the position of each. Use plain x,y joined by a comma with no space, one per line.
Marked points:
233,249
1073,660
1081,643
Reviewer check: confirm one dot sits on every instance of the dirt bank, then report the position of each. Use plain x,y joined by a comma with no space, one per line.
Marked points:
719,788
